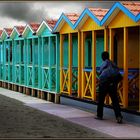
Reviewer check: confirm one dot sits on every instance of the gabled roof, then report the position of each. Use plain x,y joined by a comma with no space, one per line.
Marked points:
134,7
70,18
51,22
98,12
31,26
3,34
8,31
131,9
94,13
34,26
20,29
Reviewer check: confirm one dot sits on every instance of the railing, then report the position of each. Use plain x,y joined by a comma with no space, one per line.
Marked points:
1,71
133,88
74,79
65,82
45,77
65,77
29,75
6,72
53,78
87,87
17,73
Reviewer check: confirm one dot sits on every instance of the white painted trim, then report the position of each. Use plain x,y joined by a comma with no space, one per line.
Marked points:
43,22
27,26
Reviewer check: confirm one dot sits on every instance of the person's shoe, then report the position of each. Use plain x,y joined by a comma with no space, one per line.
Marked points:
98,118
119,120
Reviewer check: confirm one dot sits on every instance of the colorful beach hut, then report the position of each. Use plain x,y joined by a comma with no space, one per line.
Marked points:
122,22
94,41
18,55
32,49
8,50
49,57
68,53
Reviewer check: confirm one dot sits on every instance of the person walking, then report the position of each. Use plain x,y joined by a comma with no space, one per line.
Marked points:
108,86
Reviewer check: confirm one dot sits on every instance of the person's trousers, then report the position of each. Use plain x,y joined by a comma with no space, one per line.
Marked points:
111,89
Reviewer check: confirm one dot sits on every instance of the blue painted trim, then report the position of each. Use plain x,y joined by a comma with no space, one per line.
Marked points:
113,8
90,14
62,17
138,17
108,14
58,22
68,21
80,18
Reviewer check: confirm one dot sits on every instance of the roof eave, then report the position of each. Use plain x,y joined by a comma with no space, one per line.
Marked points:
43,23
116,8
14,30
81,18
63,18
26,28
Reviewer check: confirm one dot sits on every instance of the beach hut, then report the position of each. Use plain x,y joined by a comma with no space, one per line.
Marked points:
94,41
49,57
31,58
7,52
68,53
18,56
123,23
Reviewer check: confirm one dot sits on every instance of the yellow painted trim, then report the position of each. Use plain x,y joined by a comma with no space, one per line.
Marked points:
61,61
88,86
82,60
111,31
65,82
70,63
79,64
122,20
87,97
90,25
106,37
94,65
106,48
125,78
67,29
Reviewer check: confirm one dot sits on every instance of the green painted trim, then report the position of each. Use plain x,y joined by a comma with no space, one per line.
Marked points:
57,63
25,62
50,61
39,63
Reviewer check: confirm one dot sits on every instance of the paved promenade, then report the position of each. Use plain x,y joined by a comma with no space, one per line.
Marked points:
24,116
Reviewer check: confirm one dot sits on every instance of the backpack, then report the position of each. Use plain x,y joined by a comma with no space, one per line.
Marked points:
111,74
